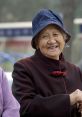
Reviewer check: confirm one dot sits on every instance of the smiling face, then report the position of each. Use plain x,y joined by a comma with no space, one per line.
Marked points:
51,42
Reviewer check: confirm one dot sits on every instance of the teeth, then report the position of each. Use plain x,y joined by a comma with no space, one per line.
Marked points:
55,46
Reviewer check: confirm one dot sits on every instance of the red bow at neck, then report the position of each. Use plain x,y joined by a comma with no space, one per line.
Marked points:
58,73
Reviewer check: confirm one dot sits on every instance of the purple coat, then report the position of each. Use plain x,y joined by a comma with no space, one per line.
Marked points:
9,107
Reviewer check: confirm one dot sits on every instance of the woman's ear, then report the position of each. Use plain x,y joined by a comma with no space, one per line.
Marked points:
37,47
36,43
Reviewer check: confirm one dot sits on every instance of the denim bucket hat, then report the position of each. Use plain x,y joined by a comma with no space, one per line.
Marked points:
42,19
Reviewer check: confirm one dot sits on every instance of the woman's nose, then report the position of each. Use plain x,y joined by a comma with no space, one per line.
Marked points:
52,40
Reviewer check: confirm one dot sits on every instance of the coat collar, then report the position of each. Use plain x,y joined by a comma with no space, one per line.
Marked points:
52,65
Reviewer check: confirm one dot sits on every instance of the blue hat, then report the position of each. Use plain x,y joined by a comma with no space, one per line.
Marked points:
42,19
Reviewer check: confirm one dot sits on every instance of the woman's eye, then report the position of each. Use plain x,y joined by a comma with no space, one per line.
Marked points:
55,35
45,36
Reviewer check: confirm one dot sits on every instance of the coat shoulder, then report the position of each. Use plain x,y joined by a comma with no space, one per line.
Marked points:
72,66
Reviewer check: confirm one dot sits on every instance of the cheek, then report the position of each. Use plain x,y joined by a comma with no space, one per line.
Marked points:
62,44
42,44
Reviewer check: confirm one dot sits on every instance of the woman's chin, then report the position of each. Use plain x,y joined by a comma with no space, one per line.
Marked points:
53,56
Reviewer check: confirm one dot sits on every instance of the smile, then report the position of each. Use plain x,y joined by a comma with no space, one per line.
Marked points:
53,47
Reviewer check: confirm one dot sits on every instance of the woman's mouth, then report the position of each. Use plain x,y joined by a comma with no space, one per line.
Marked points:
53,47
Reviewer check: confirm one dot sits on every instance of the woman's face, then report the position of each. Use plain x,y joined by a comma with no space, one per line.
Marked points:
51,42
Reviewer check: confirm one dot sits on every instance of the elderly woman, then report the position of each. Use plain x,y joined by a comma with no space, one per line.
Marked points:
45,84
9,107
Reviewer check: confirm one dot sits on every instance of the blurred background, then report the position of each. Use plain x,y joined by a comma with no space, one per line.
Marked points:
16,33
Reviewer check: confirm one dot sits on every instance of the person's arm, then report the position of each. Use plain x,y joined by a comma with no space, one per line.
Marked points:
76,96
33,104
10,105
